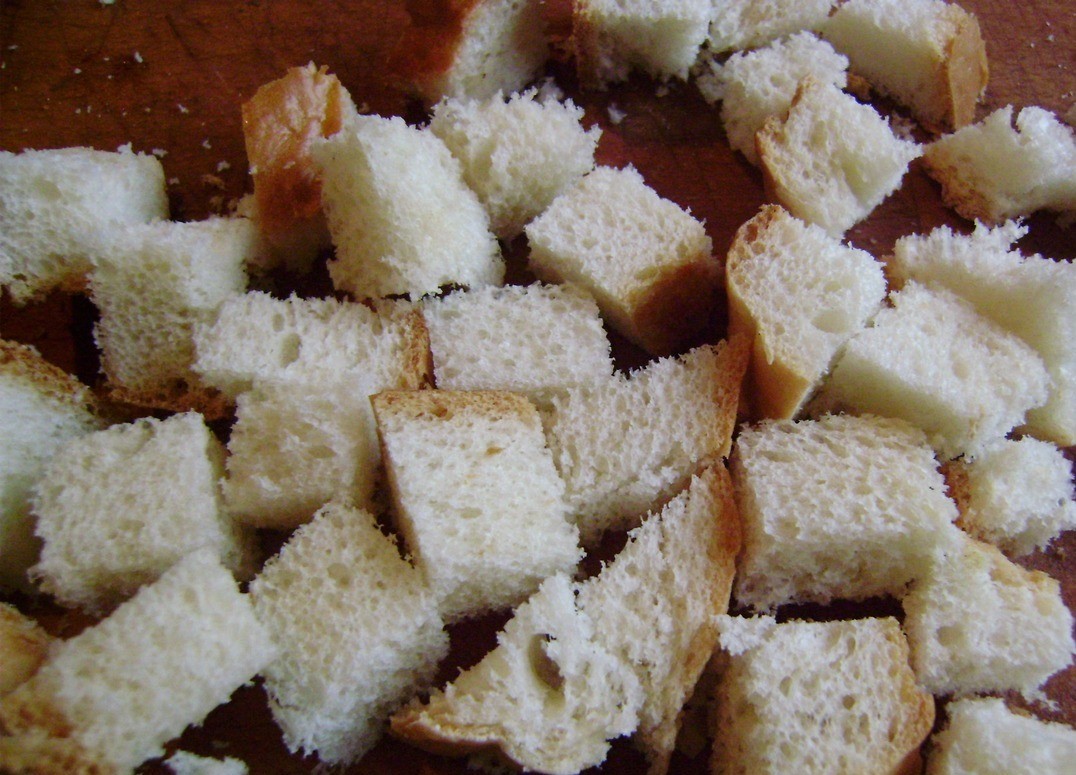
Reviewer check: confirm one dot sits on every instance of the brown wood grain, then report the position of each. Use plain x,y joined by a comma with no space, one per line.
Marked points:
170,78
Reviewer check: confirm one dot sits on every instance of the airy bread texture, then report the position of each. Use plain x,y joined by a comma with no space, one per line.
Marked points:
983,737
113,695
518,154
357,628
117,507
186,763
41,408
999,169
747,24
646,261
24,645
626,444
798,294
840,508
754,85
475,495
55,204
929,55
401,217
535,339
1032,296
932,360
817,697
979,623
831,160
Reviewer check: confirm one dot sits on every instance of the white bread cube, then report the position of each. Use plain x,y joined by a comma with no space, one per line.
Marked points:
840,508
932,360
518,154
54,204
536,339
1001,168
24,646
1032,296
747,24
984,737
798,294
475,494
817,697
646,261
358,633
831,160
928,55
401,217
754,85
117,507
627,443
41,408
113,695
980,623
611,38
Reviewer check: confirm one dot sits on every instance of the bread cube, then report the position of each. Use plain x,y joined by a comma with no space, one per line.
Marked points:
357,628
748,24
517,153
475,494
979,623
110,697
401,217
814,697
117,507
840,508
831,160
24,646
798,294
932,360
646,261
55,204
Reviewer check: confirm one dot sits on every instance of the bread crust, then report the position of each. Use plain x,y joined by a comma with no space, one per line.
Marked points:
965,70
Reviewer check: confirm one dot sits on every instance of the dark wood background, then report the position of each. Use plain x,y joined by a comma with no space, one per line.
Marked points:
170,77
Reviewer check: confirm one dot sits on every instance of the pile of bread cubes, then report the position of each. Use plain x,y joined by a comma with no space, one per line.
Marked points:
433,444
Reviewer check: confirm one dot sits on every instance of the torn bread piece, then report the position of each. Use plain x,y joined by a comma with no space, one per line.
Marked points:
740,25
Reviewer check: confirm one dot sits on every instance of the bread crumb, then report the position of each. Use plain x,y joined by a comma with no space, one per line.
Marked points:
160,153
173,181
138,58
206,144
78,70
223,165
182,108
212,181
616,115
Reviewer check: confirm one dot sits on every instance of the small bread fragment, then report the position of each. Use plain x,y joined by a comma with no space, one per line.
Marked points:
929,55
817,697
24,645
798,294
738,25
647,262
831,160
55,205
187,763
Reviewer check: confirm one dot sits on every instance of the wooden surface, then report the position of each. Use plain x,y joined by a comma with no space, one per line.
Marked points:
170,78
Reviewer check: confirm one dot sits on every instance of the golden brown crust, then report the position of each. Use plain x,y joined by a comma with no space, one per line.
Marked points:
417,356
25,362
677,309
733,355
180,397
38,754
965,70
444,404
968,202
23,647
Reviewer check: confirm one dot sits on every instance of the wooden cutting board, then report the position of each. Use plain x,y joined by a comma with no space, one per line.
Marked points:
169,78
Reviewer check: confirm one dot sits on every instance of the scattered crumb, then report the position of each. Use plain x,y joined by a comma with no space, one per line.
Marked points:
106,2
216,203
548,89
160,153
223,165
173,181
182,108
78,70
212,181
138,58
206,145
616,115
1050,38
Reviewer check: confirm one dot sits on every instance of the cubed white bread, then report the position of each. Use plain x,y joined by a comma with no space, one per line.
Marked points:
357,628
547,698
754,85
1032,296
54,204
117,507
187,763
113,695
258,338
999,168
831,160
536,339
979,623
746,24
475,494
817,697
798,294
630,442
294,447
1017,495
928,55
646,261
41,407
655,605
401,217
152,284
932,360
612,38
982,736
517,153
24,645
839,508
